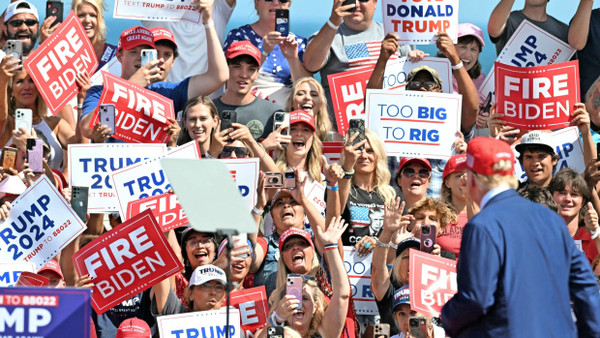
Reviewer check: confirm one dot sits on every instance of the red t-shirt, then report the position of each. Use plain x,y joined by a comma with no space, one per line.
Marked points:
449,239
587,243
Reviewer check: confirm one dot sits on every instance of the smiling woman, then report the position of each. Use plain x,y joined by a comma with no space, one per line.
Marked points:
91,17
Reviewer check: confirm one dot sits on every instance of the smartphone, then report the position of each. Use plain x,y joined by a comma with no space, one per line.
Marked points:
227,118
55,8
14,48
428,237
357,126
35,154
9,157
274,180
107,117
243,239
282,119
79,201
275,332
487,105
382,330
349,2
282,21
289,179
293,287
148,55
23,119
417,327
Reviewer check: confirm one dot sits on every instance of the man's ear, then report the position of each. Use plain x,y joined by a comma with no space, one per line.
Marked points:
119,55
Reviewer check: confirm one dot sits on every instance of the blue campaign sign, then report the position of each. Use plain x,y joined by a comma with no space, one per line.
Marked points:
45,312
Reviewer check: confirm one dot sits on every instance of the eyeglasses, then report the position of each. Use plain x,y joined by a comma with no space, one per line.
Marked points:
416,85
192,244
239,151
208,286
410,172
18,23
280,1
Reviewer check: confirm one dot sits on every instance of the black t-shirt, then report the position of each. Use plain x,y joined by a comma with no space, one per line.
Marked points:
386,311
136,306
257,115
364,214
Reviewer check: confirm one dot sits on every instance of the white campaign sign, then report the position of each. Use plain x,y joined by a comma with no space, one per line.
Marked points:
359,271
528,46
157,10
199,324
568,147
415,124
113,66
396,72
147,178
10,272
244,172
40,225
90,165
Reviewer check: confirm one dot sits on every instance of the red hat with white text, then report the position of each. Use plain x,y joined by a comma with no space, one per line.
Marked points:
53,266
161,33
243,48
455,163
294,232
135,36
300,116
485,153
134,328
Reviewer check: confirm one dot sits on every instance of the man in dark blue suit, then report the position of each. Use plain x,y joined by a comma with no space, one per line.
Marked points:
519,269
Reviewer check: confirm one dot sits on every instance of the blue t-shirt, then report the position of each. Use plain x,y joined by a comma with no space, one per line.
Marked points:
275,66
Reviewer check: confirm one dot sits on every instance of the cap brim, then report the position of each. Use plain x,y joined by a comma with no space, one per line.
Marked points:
418,160
521,147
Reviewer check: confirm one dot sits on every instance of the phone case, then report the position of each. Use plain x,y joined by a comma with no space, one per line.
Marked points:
23,119
275,332
55,8
294,287
282,119
349,2
282,21
148,55
9,157
418,327
227,118
428,238
35,154
79,201
357,126
107,117
15,49
382,331
289,180
273,179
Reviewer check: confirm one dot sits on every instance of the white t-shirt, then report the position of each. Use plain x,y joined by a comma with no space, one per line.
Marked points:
191,41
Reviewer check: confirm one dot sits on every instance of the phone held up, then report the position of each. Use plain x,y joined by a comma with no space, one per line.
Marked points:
357,126
280,180
428,237
108,116
282,21
293,287
55,8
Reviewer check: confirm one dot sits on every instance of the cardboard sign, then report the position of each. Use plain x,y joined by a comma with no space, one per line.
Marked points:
358,269
113,66
147,178
40,225
141,114
254,309
568,147
157,10
529,46
43,312
333,151
432,282
415,124
315,192
166,208
126,261
10,272
348,88
537,97
417,21
90,165
244,172
200,324
30,279
54,65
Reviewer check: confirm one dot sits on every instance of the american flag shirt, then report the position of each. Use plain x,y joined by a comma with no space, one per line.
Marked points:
361,207
364,53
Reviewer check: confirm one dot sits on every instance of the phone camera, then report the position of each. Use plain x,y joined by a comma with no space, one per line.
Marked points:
290,175
426,230
279,117
273,180
271,330
413,322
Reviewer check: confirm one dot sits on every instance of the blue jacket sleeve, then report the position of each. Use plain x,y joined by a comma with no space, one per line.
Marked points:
584,294
477,279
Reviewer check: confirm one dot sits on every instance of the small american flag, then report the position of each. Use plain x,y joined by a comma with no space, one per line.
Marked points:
364,53
359,216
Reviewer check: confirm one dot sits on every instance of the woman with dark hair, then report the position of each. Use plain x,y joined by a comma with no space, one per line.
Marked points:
572,196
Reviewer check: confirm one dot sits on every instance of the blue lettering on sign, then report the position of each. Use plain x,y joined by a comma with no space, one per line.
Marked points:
424,135
396,133
244,190
404,11
520,58
393,80
566,149
106,165
36,318
144,184
367,291
431,113
204,332
5,277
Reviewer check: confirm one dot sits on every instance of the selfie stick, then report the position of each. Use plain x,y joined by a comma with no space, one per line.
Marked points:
228,234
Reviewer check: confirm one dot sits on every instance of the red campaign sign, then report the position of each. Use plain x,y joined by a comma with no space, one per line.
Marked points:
254,309
30,279
165,207
141,114
537,98
333,151
54,64
347,95
126,261
432,282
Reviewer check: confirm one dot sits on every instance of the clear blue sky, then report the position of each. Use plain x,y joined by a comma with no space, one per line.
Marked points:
307,16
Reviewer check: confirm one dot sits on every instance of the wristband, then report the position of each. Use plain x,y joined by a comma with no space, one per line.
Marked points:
258,211
274,321
595,233
209,25
331,246
335,187
389,266
330,24
381,244
79,106
458,66
277,318
264,53
348,174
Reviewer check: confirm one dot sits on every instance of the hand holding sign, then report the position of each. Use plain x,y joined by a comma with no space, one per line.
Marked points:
581,118
446,46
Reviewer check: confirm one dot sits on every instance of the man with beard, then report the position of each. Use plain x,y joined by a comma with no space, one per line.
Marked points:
21,22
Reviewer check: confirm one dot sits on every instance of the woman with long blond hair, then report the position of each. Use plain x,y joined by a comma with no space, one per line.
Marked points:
91,17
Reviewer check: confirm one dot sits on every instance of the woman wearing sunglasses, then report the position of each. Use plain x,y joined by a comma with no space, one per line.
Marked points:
413,178
282,56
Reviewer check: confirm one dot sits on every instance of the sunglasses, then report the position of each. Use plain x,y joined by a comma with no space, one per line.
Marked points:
18,23
239,152
410,172
416,85
280,1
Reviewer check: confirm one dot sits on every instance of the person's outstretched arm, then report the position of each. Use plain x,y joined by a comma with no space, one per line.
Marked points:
498,18
580,25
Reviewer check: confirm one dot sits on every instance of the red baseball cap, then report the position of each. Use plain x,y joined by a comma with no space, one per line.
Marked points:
243,48
53,266
294,232
134,328
161,33
135,36
484,152
455,163
408,160
300,116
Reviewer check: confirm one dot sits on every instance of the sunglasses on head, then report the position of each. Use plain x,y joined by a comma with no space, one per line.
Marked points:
18,23
416,85
239,151
410,172
280,1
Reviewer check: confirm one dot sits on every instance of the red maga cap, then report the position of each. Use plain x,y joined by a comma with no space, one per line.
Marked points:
135,36
53,266
484,152
300,116
407,160
134,328
161,33
294,232
243,48
455,163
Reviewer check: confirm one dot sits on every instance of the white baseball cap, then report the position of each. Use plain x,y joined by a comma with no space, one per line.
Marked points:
19,7
207,273
535,138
